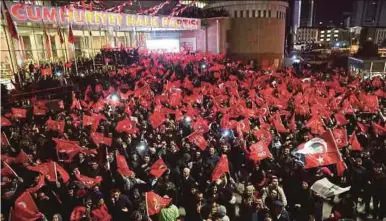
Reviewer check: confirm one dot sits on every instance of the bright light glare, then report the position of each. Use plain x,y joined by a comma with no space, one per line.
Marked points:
169,45
225,133
294,57
58,73
203,66
188,119
114,98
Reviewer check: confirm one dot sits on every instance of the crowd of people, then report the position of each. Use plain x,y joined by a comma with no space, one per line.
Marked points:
196,136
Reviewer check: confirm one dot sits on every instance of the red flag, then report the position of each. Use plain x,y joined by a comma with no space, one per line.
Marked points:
126,126
25,209
197,138
259,151
38,112
355,145
340,119
122,166
362,127
278,124
221,168
340,136
316,125
47,42
201,125
156,119
68,64
56,125
370,102
76,104
11,26
320,151
292,124
71,37
38,186
158,168
48,170
19,113
5,122
87,181
78,213
99,138
22,158
70,148
154,203
378,129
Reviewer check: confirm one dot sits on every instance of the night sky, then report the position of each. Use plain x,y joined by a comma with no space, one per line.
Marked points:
331,10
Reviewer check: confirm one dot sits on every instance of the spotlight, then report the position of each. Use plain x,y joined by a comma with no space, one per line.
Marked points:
58,73
203,66
188,119
82,75
114,97
225,133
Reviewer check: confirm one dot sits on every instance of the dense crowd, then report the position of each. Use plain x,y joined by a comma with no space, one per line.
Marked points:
195,137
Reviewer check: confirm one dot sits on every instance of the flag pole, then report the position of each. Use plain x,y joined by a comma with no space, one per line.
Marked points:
6,138
56,172
11,170
147,211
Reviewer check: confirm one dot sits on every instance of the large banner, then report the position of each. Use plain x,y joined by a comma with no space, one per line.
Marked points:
63,15
327,189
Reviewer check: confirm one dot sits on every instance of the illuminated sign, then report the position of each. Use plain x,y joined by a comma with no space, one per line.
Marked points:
63,15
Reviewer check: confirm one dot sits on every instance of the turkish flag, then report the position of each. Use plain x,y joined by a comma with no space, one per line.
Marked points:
197,138
99,138
38,186
68,64
364,128
5,122
292,124
71,37
201,125
78,213
25,209
56,125
378,129
22,158
158,168
122,166
320,151
278,124
221,168
126,126
155,203
48,170
46,72
75,104
38,112
156,119
259,151
87,181
70,148
316,125
19,113
370,102
175,99
355,145
340,119
340,136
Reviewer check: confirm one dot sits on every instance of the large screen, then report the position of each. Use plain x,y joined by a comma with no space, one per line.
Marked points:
167,45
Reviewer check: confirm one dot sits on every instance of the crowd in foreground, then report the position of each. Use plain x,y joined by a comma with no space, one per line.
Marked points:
197,137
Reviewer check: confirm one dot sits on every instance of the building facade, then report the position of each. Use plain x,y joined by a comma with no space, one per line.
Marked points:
306,35
369,13
40,26
254,30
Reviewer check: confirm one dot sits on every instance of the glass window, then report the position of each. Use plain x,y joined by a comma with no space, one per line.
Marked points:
235,13
247,13
269,13
264,14
253,13
259,14
241,14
